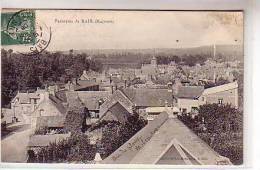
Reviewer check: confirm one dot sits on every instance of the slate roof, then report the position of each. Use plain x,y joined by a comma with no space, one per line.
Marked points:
149,97
50,121
81,84
61,94
73,100
58,104
45,140
125,153
152,143
190,92
24,98
91,98
118,112
220,88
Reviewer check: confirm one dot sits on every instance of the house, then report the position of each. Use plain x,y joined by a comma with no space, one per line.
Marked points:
117,97
89,99
54,124
26,102
139,99
188,98
116,112
49,106
166,140
223,94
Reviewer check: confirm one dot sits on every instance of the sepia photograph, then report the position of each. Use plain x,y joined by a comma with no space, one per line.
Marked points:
150,87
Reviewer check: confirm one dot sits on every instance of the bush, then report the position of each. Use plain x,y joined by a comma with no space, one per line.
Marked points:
221,127
116,135
75,149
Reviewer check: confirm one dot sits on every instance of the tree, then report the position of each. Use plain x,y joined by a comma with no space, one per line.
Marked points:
75,120
220,126
116,135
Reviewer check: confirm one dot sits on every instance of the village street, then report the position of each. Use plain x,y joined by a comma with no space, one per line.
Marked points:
13,144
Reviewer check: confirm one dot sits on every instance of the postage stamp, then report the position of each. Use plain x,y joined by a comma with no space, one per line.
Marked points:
21,28
18,27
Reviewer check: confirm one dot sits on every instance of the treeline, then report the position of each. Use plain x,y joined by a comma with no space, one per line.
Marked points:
190,60
21,72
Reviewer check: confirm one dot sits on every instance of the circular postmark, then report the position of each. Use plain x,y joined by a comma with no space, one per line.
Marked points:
25,30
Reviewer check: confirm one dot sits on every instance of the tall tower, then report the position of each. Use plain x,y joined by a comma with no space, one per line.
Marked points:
154,60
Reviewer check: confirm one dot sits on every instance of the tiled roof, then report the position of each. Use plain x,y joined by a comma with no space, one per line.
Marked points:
45,140
190,92
149,97
155,140
50,121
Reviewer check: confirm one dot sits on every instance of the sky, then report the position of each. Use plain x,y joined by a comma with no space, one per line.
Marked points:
139,29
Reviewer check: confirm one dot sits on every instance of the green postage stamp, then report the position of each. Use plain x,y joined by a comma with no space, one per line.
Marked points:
18,27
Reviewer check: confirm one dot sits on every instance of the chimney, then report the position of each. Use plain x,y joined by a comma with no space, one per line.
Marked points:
125,83
69,85
112,88
169,87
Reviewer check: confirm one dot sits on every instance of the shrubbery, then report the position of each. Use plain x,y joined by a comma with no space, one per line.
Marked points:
220,126
75,149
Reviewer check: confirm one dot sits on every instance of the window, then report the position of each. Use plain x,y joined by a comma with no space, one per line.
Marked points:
41,112
220,101
184,110
194,109
203,99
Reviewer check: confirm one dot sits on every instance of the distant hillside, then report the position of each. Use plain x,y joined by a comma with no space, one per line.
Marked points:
137,56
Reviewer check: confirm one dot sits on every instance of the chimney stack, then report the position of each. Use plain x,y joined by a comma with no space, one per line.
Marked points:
112,88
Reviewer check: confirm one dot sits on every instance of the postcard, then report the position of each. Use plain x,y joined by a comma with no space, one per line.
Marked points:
143,87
